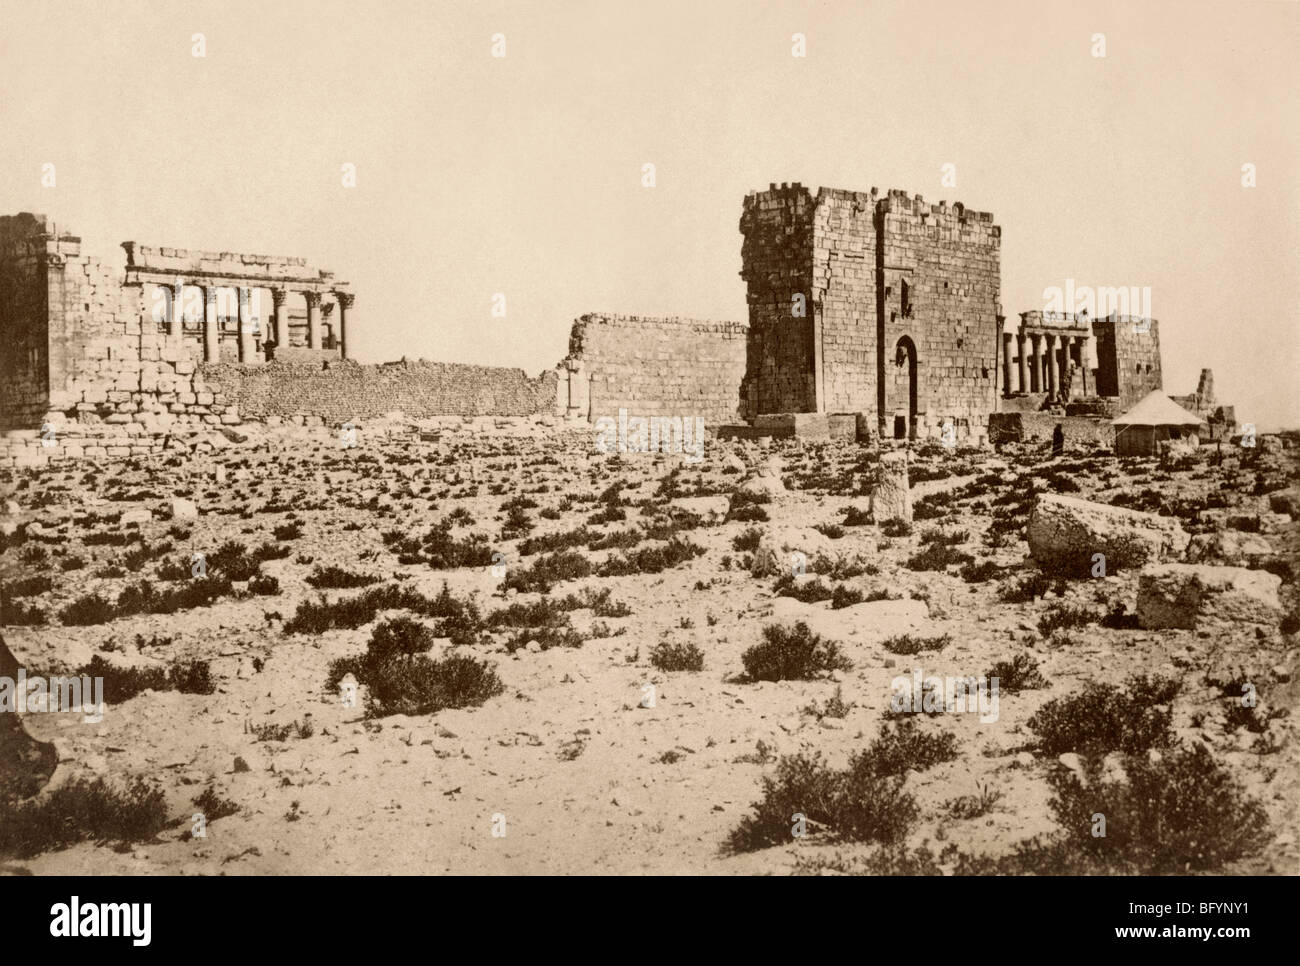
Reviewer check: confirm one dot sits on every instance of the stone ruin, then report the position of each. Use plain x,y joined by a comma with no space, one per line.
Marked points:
870,316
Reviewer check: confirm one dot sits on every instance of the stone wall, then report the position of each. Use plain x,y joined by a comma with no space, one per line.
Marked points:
1082,431
901,306
340,391
24,298
1128,357
654,367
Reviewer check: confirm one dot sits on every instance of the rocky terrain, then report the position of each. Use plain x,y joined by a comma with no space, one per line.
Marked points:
572,662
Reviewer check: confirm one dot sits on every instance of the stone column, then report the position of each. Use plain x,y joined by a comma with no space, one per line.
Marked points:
313,319
211,331
280,332
1036,363
244,315
892,499
173,310
1006,363
1053,367
345,315
1021,386
1063,370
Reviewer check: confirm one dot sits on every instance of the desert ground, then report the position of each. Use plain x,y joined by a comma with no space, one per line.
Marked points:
532,718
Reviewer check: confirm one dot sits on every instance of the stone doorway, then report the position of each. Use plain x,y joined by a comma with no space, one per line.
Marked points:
903,396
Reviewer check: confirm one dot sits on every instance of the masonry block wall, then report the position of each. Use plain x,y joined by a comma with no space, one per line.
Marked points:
902,314
1128,357
342,390
24,300
656,366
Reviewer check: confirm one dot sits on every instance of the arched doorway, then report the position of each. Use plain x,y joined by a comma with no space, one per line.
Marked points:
902,396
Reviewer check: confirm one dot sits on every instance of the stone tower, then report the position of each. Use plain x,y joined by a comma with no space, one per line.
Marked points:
867,303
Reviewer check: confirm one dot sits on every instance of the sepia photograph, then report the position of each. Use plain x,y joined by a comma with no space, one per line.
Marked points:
634,439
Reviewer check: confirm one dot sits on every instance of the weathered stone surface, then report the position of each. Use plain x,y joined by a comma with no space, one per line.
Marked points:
183,509
779,549
1190,595
1064,533
138,515
892,497
1285,501
764,480
1231,547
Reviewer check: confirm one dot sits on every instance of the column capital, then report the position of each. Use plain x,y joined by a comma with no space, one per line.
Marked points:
345,298
278,295
313,299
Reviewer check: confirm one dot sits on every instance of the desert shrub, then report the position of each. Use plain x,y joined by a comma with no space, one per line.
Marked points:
1104,718
1025,590
548,570
546,612
748,540
1176,813
551,542
915,644
26,587
747,508
832,530
792,654
938,556
545,638
808,591
677,657
18,614
852,804
974,573
1060,615
82,810
291,530
600,603
123,683
933,535
902,746
459,620
213,806
264,585
845,596
896,528
651,560
400,637
339,578
233,561
855,517
972,806
87,610
1019,674
426,686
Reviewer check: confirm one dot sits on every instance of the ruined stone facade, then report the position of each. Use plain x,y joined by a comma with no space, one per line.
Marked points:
653,367
1055,357
883,304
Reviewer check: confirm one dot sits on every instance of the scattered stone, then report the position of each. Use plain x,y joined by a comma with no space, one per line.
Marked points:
138,515
183,509
892,497
1231,547
1187,595
1065,533
1285,501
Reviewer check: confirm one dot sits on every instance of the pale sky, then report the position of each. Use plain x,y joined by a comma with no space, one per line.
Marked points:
522,174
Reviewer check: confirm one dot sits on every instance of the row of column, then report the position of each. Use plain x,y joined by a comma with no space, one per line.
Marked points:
279,324
1047,364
